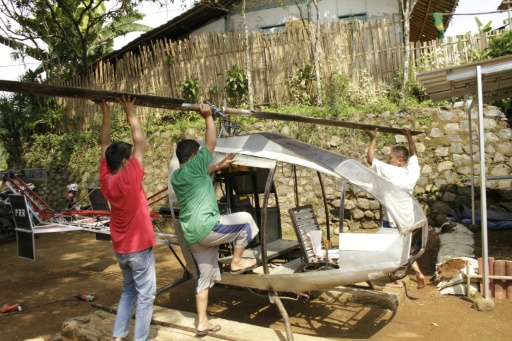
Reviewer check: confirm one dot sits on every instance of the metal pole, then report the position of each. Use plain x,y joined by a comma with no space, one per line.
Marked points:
342,204
264,216
471,160
483,197
326,208
509,22
274,298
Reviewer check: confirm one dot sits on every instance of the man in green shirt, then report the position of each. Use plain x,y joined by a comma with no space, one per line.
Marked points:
203,226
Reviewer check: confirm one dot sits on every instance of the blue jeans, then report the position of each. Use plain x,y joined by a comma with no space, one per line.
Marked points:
139,286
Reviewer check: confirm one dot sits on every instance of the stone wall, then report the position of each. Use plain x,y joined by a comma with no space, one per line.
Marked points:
443,151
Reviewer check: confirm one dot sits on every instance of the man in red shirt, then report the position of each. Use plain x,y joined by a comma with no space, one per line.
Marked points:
131,229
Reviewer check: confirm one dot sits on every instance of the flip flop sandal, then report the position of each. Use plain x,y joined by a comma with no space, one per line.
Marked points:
243,270
215,329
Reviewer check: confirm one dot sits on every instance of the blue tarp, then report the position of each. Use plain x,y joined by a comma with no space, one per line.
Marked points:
491,225
495,220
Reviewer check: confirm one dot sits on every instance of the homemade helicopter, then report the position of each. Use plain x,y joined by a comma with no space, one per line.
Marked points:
303,263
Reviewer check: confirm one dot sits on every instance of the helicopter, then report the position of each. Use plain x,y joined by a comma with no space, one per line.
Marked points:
304,262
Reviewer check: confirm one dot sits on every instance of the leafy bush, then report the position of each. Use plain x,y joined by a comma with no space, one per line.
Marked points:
300,85
56,152
500,45
237,86
415,91
189,89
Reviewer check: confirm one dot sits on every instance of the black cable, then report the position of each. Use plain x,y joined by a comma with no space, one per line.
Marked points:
68,302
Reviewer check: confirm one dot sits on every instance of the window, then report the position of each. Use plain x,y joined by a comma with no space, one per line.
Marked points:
273,28
352,17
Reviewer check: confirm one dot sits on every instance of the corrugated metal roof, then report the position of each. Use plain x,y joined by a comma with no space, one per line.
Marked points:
455,82
422,21
180,27
422,27
504,5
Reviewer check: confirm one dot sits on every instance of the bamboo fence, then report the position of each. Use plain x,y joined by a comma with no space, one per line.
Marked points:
357,50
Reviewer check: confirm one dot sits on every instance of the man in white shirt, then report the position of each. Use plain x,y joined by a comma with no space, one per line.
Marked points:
403,171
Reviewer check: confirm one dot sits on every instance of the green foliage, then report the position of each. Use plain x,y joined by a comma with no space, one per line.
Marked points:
56,152
415,91
77,149
343,98
300,85
237,86
189,89
190,92
483,28
424,119
500,45
66,36
22,116
212,91
478,55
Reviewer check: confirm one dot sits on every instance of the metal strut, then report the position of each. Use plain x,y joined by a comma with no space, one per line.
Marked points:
274,298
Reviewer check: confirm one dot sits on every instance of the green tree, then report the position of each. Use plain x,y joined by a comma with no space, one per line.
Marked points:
22,117
500,45
67,36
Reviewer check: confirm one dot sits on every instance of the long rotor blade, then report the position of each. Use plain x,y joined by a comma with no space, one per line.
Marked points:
37,89
314,120
303,119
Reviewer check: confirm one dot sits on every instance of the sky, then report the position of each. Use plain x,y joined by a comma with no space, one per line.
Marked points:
460,24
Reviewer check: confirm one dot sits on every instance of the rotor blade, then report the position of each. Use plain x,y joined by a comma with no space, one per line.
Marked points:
313,120
37,89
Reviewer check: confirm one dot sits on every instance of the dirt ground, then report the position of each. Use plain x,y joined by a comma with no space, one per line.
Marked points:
74,263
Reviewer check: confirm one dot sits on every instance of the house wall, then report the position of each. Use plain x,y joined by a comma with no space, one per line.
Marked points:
267,13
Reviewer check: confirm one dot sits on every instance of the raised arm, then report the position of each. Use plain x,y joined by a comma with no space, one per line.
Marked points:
373,143
211,133
139,142
105,127
412,146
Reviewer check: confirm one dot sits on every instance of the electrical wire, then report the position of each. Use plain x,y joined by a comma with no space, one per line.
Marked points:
68,302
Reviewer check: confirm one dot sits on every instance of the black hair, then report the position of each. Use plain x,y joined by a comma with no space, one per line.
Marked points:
115,154
402,151
185,149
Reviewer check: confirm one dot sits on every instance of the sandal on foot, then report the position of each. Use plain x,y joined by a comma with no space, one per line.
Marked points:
214,329
244,269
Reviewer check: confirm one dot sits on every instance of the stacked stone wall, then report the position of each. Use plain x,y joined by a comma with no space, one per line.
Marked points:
444,155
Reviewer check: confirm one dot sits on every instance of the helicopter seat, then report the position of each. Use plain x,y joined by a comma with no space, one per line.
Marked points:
309,236
317,241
